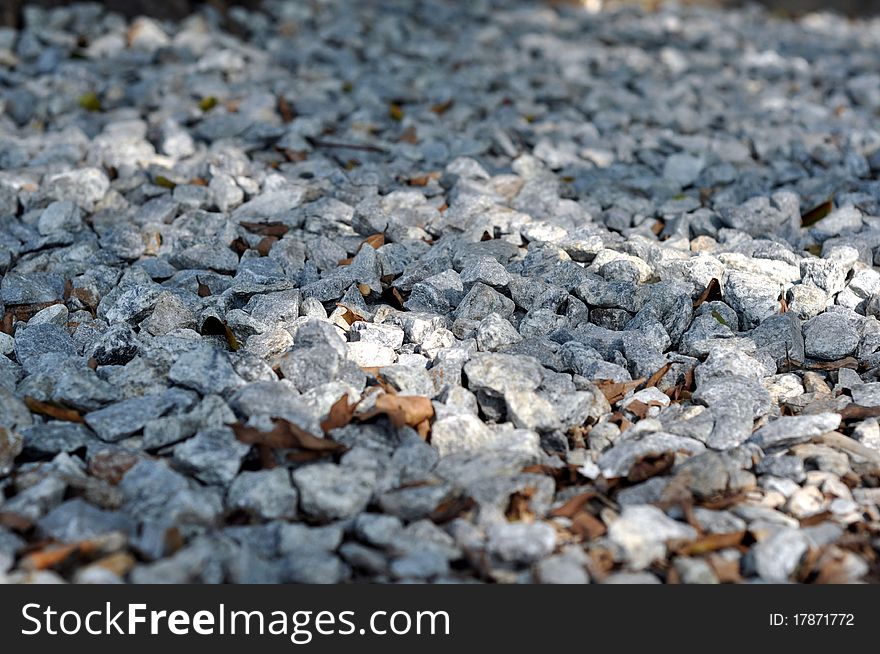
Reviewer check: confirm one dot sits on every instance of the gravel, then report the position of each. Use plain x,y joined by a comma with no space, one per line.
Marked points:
362,292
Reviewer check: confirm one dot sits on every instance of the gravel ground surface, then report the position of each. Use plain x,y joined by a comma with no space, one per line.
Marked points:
439,291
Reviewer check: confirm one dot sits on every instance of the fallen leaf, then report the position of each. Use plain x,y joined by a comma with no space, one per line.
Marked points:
640,409
285,110
573,505
265,245
409,135
519,507
395,111
164,182
90,101
286,435
215,327
847,362
375,241
402,410
52,410
266,229
15,522
710,543
442,107
239,246
816,214
727,570
340,414
711,293
650,466
450,509
616,391
587,526
111,465
49,557
203,290
654,379
858,412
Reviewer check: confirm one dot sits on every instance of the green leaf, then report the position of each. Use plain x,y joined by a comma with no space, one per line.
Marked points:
90,101
719,318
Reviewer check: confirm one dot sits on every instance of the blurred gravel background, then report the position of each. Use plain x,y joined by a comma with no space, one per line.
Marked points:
10,10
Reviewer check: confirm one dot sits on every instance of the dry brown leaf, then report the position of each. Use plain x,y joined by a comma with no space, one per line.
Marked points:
449,510
111,465
52,410
847,362
286,435
859,412
14,521
654,379
409,135
442,107
266,229
650,466
49,557
401,409
727,570
587,526
203,290
216,327
239,246
616,391
573,505
640,409
816,214
711,293
710,543
265,245
285,110
519,508
340,414
375,241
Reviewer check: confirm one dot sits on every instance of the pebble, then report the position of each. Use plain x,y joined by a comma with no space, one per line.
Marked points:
569,271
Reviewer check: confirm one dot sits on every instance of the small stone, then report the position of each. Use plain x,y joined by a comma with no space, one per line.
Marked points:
60,217
494,332
642,531
790,430
332,492
84,187
519,542
683,169
777,557
830,336
76,520
206,370
267,494
213,455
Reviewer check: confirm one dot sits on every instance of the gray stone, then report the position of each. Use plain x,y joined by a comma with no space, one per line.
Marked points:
643,532
331,492
213,456
830,336
790,430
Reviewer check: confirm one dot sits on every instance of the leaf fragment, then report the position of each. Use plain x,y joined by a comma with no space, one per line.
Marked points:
711,293
616,391
55,411
286,435
817,213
